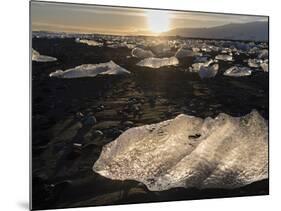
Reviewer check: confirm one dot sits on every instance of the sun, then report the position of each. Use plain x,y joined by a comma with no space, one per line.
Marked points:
158,21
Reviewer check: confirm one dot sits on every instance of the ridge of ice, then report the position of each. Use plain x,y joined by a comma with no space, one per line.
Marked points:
158,62
224,152
90,70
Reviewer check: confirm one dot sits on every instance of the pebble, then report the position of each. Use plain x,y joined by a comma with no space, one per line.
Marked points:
77,145
89,120
128,123
100,108
79,116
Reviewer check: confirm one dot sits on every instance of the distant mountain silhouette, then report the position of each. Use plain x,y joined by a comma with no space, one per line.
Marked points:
256,31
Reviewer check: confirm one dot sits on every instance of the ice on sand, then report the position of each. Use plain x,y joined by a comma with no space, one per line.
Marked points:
224,57
90,70
196,66
264,67
224,152
158,62
37,57
237,71
254,62
141,53
89,42
208,72
263,54
182,53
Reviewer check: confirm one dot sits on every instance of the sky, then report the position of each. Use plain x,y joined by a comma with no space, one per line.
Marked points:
58,17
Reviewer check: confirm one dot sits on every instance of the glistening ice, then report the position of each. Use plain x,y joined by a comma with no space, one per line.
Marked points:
224,152
91,70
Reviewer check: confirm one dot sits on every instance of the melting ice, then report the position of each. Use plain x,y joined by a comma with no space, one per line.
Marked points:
90,70
224,152
208,72
237,71
181,53
264,67
89,42
158,62
224,57
196,66
142,54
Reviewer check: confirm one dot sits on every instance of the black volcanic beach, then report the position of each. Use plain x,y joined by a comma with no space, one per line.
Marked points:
64,148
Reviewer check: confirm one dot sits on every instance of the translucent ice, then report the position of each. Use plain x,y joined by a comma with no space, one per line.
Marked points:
142,54
161,48
196,66
224,57
208,72
263,54
158,62
182,53
90,70
89,42
236,71
36,56
264,67
225,152
254,62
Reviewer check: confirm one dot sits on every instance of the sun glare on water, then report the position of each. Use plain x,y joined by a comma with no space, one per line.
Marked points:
158,21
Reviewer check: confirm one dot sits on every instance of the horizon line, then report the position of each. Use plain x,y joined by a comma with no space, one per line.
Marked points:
130,33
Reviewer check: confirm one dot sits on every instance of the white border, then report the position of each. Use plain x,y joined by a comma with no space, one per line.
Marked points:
15,102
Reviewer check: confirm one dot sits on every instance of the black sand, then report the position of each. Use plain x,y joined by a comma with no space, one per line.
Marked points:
62,173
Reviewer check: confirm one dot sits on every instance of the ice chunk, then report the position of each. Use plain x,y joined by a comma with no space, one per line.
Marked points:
89,42
224,57
208,72
41,58
158,62
263,54
225,152
142,54
254,62
264,67
182,53
237,71
196,66
207,49
121,45
161,48
129,45
194,49
90,70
